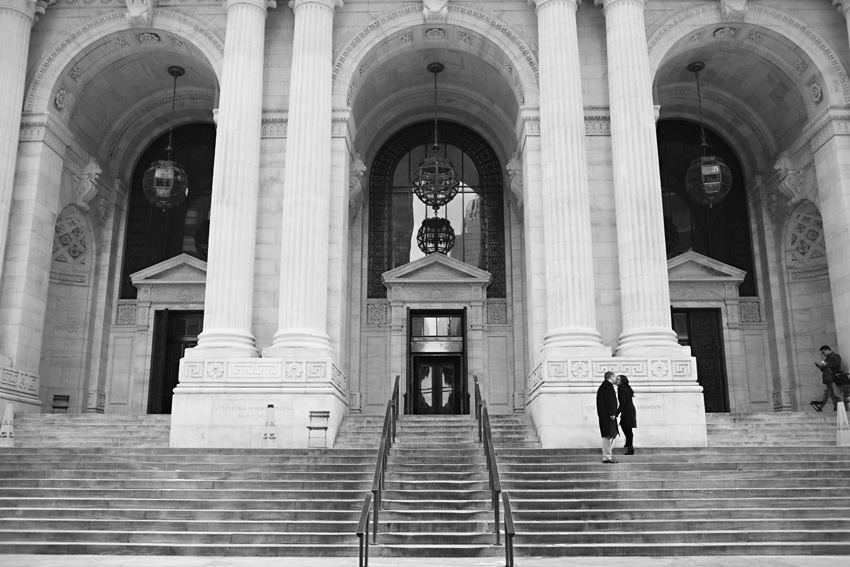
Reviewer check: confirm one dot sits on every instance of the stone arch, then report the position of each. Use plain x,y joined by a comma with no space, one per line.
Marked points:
518,54
48,72
825,57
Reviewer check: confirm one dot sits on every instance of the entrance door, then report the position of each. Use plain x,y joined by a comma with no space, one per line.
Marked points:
437,384
436,371
174,332
702,331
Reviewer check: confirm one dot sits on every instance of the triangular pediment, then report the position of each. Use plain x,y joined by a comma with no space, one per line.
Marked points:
693,266
436,268
179,269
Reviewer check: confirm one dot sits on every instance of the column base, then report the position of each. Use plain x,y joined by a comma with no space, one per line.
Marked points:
300,343
669,401
224,404
571,343
223,344
650,343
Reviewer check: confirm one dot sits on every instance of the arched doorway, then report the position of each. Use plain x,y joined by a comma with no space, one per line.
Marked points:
442,344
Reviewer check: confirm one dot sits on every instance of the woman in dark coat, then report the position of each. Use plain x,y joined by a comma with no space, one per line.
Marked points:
627,412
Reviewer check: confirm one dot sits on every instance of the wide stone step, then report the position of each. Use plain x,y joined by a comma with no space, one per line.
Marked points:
348,549
177,537
674,525
703,503
203,525
181,504
583,516
179,494
165,514
430,538
664,549
440,505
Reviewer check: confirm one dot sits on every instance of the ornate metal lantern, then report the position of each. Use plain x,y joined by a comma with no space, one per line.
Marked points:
708,179
435,235
435,184
165,181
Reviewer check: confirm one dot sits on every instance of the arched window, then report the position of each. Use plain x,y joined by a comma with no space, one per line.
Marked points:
154,235
721,232
476,213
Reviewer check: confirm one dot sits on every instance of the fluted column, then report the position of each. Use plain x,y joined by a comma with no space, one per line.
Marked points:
571,302
16,20
236,181
302,316
645,292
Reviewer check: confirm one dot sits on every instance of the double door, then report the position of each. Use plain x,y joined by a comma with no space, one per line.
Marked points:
436,377
437,384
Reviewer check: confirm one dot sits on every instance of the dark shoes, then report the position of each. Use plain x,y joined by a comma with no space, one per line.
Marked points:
610,461
630,451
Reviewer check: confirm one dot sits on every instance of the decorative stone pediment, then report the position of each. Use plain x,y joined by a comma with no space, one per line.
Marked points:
436,277
436,268
182,269
693,266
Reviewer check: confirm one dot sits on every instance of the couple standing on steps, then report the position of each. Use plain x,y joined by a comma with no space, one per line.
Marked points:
607,409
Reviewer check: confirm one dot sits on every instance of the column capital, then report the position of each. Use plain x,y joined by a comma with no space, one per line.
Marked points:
264,5
540,3
607,3
330,4
842,6
29,8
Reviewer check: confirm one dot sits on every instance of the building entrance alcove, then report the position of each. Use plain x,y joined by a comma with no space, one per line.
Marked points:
437,338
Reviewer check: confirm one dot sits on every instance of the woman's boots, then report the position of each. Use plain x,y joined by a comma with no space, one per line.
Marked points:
630,450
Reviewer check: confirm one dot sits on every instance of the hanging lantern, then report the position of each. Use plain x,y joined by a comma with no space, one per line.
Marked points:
708,180
435,235
435,184
165,183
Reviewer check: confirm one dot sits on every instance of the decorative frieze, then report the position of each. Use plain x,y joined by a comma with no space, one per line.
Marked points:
18,381
277,372
588,372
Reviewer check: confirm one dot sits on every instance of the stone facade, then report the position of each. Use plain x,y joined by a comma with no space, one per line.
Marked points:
565,93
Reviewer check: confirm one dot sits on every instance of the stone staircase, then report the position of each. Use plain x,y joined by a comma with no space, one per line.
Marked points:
807,429
91,430
145,501
768,484
436,495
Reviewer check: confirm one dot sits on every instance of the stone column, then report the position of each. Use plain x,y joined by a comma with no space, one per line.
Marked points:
302,317
570,290
830,142
645,292
16,20
236,181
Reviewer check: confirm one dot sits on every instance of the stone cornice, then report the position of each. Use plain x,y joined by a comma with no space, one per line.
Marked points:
528,123
45,128
342,126
274,124
834,122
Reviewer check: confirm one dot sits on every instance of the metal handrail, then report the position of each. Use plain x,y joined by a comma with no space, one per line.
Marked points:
363,529
485,436
373,501
510,532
